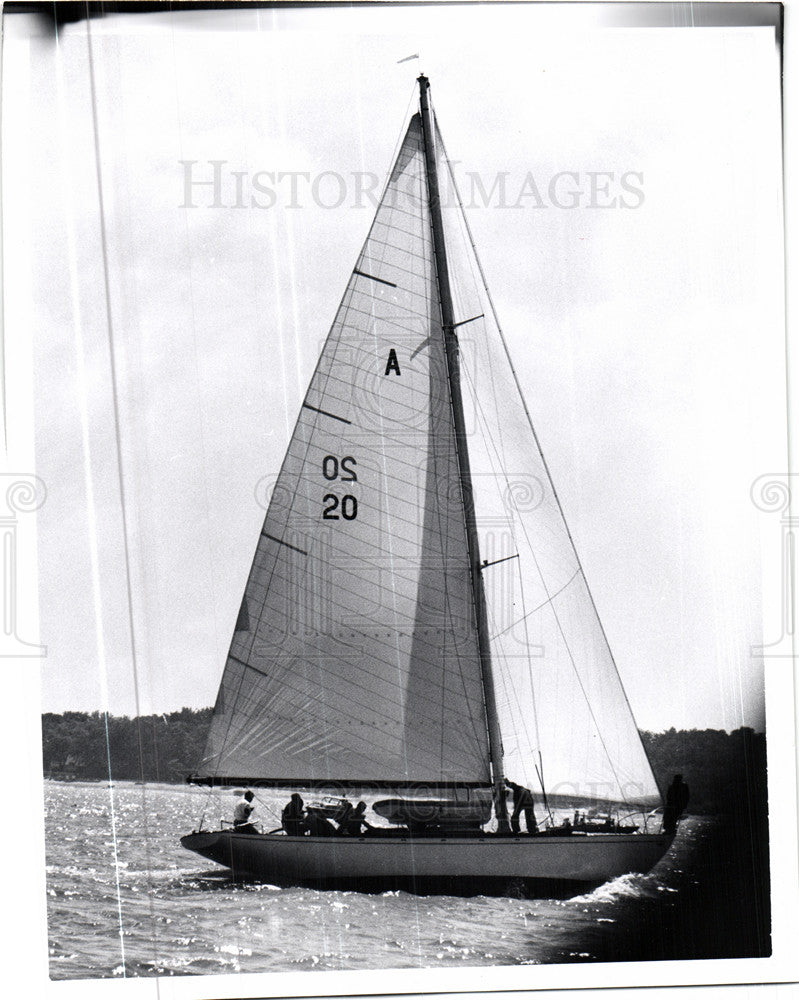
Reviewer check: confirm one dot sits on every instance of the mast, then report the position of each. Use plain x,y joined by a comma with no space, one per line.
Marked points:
462,453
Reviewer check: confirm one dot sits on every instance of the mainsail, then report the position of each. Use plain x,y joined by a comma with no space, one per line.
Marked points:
356,657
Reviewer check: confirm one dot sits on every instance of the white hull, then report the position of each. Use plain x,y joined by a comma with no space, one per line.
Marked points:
465,865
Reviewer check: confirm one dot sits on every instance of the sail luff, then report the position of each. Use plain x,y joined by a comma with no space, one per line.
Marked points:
462,452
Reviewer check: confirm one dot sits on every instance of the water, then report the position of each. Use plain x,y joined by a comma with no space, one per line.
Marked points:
125,899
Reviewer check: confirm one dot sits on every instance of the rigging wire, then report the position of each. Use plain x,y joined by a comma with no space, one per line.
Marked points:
477,728
549,601
477,591
538,607
499,470
500,466
554,493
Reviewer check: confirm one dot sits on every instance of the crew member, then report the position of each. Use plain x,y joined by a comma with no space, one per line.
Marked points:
676,800
292,816
242,812
352,822
522,803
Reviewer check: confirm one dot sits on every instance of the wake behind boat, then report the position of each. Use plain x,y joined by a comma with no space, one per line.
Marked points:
416,621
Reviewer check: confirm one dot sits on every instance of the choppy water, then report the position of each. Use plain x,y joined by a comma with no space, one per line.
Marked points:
125,899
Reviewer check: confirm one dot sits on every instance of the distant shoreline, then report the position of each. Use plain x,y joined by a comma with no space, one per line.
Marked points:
725,771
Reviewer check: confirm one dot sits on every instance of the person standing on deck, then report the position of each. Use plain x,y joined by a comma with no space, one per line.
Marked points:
522,803
241,814
676,800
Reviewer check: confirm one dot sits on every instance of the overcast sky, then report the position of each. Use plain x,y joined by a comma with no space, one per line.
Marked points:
648,338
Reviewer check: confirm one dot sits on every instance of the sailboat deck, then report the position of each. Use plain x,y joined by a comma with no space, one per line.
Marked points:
483,864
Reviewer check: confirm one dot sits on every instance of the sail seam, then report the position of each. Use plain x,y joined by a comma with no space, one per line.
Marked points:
309,698
376,624
543,604
297,424
348,681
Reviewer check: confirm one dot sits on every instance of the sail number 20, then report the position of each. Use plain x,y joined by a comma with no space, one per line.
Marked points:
343,470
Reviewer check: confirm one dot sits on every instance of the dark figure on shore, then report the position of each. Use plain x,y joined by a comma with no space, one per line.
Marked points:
292,816
676,800
352,822
242,812
522,803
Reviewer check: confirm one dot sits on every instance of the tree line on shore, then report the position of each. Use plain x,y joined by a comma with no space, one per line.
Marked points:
93,746
726,772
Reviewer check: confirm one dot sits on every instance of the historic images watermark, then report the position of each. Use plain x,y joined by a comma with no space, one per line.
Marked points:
20,494
216,184
771,493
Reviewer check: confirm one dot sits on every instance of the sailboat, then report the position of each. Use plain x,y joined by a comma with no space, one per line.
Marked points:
416,624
